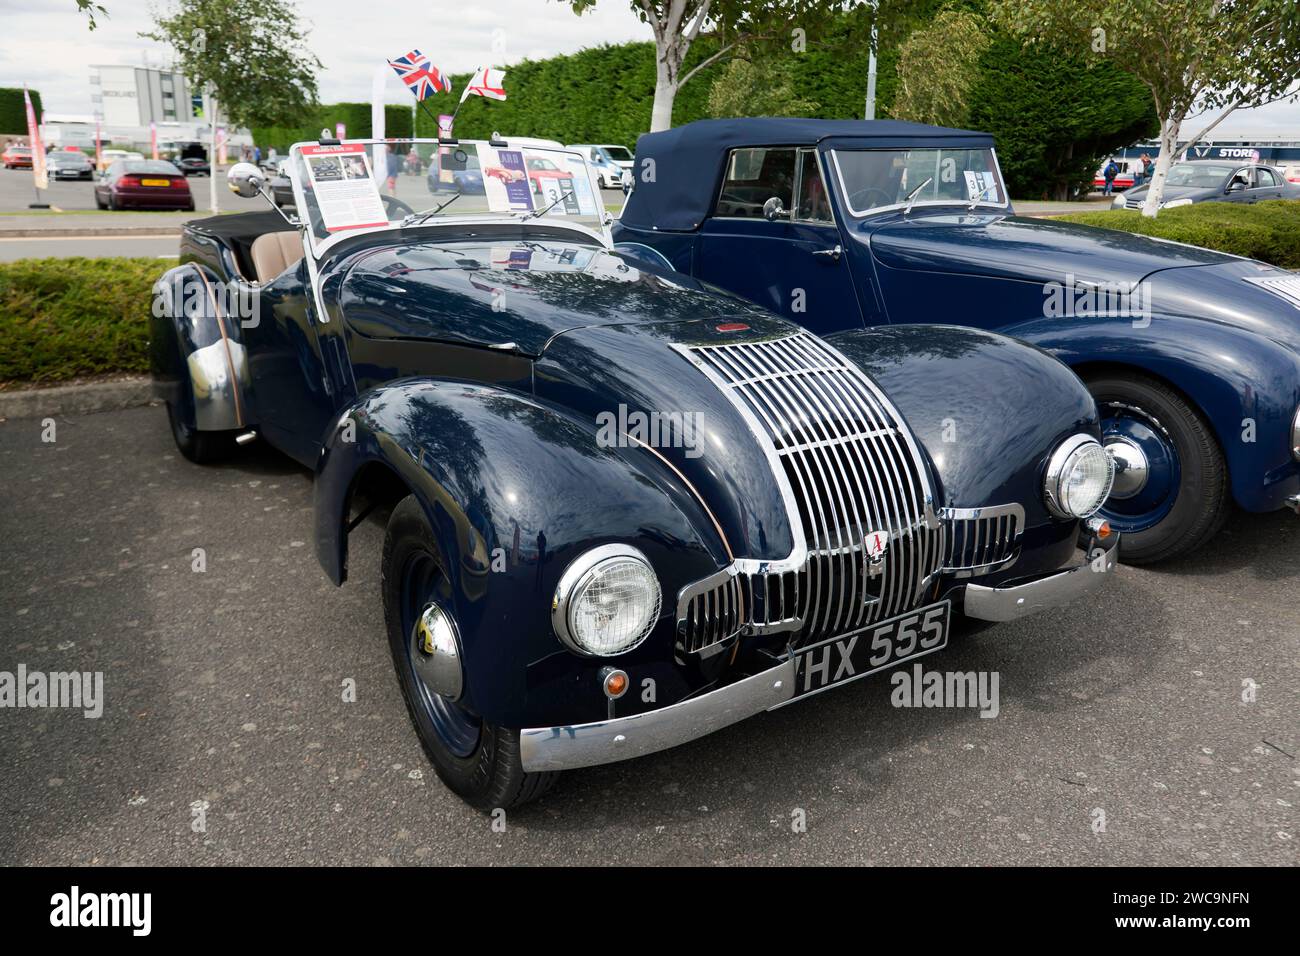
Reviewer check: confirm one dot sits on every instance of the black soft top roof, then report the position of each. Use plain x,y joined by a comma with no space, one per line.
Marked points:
688,160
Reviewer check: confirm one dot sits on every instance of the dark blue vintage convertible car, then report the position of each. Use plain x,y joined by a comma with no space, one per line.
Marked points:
1193,356
622,510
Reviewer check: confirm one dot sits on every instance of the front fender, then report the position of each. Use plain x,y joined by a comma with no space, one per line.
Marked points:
988,410
1246,385
514,491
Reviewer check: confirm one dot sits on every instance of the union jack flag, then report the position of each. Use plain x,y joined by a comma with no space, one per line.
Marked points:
421,77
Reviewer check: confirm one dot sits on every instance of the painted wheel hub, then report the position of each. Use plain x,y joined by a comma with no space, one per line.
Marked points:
1147,469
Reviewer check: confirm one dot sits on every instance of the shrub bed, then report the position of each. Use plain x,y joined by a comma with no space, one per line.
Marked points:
1269,231
66,318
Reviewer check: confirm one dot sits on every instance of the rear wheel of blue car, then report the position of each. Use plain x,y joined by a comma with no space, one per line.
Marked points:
477,760
1171,492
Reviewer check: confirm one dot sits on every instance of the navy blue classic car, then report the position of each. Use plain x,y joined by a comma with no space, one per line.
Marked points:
622,510
1193,356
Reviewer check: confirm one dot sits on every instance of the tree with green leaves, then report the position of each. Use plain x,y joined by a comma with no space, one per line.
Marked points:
937,65
1193,55
250,56
91,10
732,24
760,87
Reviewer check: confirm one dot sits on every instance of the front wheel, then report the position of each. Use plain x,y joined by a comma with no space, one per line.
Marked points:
478,761
1171,492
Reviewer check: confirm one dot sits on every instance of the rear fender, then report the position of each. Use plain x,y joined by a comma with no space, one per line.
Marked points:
196,343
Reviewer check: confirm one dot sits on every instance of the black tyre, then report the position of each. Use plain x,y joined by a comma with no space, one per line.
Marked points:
476,760
200,447
99,203
1183,497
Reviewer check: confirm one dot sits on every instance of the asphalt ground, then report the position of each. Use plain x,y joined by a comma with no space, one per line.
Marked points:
223,695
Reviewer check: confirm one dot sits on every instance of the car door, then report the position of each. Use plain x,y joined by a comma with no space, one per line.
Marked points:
794,264
1267,185
1240,185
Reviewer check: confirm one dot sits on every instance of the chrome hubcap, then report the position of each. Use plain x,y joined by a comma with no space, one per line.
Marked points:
435,653
1131,468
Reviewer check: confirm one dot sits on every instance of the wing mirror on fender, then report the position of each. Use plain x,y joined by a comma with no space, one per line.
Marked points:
773,209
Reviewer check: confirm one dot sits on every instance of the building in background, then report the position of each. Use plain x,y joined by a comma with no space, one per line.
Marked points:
125,100
138,96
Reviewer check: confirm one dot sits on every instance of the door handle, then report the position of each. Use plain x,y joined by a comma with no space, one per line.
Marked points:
832,253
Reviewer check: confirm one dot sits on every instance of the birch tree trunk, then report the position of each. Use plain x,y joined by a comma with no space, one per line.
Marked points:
661,114
1169,128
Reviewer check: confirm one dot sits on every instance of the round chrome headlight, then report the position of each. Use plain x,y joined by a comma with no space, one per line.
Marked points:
607,601
1079,476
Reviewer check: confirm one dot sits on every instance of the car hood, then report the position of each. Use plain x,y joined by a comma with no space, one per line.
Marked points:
1017,247
634,385
1173,192
513,294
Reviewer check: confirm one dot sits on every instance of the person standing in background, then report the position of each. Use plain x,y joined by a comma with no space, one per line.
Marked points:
1109,174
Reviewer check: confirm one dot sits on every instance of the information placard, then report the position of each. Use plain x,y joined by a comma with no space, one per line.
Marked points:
345,187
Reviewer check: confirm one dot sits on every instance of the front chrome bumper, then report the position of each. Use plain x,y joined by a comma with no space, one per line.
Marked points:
1007,604
607,741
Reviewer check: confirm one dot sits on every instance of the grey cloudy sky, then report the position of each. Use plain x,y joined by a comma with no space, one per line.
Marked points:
46,44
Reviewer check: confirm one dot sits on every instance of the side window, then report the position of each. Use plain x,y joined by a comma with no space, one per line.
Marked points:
1264,178
811,202
755,175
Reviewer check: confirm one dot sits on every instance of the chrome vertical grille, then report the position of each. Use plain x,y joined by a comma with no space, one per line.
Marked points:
982,540
711,613
852,469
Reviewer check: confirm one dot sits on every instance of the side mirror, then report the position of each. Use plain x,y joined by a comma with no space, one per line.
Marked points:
245,180
772,209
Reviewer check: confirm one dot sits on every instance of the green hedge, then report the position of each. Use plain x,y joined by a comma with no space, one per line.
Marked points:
354,116
1268,231
13,112
63,318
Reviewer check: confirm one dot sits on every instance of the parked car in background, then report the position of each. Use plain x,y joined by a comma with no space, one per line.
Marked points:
17,157
63,164
194,166
613,164
109,155
503,387
143,184
449,175
1193,356
280,186
1213,180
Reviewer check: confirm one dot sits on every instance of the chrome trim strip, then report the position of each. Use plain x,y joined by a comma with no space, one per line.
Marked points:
606,741
1008,604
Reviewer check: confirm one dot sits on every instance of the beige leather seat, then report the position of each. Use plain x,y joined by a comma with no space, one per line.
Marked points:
274,252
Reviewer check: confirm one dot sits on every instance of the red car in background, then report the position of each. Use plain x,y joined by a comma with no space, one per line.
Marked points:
540,170
143,184
18,157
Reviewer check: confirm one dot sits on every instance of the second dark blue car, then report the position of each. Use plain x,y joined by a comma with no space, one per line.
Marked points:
1193,356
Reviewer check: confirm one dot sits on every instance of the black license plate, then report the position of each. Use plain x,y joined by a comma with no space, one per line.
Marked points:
839,660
